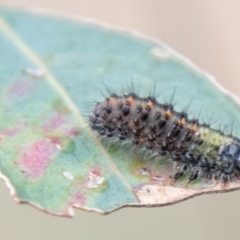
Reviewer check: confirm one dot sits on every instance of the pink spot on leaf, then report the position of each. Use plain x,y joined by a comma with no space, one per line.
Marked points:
2,138
57,141
20,88
94,178
37,157
95,171
78,199
54,123
10,132
73,132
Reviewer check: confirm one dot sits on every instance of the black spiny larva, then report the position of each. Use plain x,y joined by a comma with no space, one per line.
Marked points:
202,152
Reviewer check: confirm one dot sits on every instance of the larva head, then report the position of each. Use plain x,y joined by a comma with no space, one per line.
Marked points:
230,152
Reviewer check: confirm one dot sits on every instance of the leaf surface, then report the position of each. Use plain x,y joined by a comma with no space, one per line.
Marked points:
52,73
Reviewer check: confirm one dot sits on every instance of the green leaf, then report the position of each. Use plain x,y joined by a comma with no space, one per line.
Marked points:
52,73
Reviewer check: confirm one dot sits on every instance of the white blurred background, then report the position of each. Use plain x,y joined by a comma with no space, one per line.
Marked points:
208,33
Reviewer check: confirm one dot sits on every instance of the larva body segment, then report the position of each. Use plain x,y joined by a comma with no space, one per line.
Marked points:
202,152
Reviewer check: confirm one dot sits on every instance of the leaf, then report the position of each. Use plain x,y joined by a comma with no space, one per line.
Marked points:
52,72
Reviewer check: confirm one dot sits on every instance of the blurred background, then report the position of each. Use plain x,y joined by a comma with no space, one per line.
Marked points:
208,33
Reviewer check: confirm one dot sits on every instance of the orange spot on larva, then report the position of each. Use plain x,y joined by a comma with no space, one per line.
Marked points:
194,128
168,113
150,105
130,100
183,122
112,100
